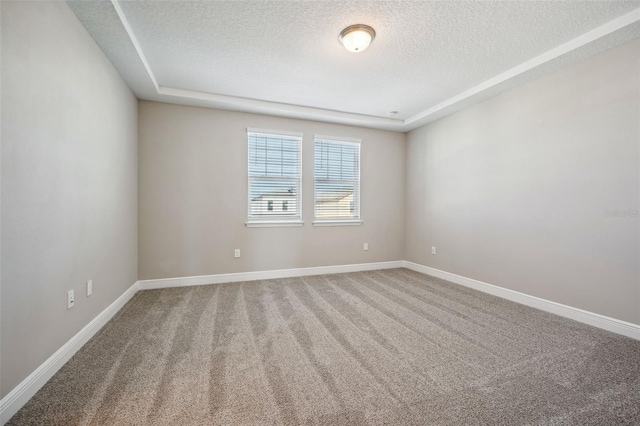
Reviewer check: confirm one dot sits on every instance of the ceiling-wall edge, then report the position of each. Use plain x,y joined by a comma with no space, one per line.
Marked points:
424,117
257,106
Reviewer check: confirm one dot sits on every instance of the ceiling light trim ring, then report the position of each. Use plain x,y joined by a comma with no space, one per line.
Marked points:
351,30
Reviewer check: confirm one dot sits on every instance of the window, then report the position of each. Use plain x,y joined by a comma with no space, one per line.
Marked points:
275,178
337,181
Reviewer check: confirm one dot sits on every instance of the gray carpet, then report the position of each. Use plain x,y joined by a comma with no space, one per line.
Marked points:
382,347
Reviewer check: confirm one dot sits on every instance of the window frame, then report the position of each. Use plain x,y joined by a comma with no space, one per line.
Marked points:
275,220
357,191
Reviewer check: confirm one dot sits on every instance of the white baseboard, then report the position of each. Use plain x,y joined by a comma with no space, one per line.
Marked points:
606,323
265,275
14,400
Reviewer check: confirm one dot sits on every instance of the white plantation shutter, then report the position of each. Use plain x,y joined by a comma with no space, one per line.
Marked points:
337,179
275,178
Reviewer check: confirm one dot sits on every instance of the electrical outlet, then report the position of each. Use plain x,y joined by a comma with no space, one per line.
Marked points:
366,246
89,288
433,250
236,253
70,299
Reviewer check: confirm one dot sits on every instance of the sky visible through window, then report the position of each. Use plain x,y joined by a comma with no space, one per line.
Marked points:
273,156
335,161
273,164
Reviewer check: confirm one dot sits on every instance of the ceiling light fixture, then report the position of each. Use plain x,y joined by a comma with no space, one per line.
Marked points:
356,38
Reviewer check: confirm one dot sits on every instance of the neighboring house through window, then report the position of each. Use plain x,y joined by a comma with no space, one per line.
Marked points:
337,180
275,178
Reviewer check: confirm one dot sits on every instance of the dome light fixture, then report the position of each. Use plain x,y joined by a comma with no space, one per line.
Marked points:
356,38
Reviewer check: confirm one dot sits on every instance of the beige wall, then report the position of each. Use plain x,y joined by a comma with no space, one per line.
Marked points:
193,197
69,193
514,191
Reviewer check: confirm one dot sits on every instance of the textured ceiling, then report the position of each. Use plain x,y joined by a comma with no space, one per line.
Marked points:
424,54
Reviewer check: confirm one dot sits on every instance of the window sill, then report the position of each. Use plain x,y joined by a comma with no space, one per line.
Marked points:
337,223
273,224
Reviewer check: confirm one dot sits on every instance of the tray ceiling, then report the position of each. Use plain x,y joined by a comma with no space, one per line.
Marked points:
284,58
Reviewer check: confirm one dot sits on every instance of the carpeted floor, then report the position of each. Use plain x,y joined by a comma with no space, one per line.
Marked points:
382,347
